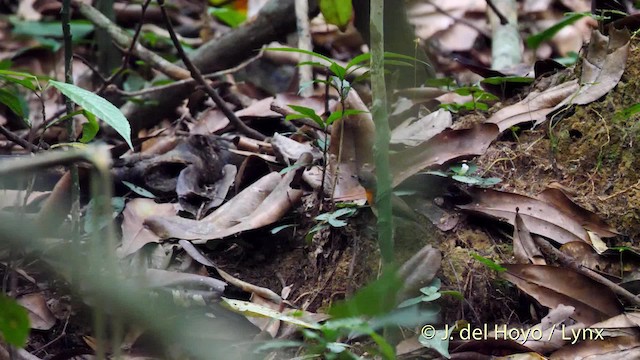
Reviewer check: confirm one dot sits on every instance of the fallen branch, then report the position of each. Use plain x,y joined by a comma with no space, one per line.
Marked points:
195,73
272,22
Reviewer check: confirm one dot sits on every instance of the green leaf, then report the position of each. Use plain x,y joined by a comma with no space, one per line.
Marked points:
228,16
338,71
456,294
90,128
358,59
339,114
489,263
630,111
14,322
571,58
15,103
397,63
28,80
337,12
139,190
255,310
307,112
384,290
501,80
290,168
385,348
341,85
97,105
437,343
471,180
79,28
440,82
392,55
410,302
534,41
277,229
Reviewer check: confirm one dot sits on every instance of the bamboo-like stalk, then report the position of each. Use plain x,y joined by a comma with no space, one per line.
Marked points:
383,133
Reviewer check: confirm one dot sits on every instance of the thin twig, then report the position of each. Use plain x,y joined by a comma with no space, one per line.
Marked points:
195,73
127,54
189,81
503,19
18,140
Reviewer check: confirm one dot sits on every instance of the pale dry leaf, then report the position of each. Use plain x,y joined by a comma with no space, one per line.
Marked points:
552,286
134,234
541,218
413,133
446,146
40,317
617,348
535,107
525,249
603,66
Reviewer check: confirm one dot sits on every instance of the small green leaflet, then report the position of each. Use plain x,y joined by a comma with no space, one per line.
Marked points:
534,41
337,12
14,322
98,106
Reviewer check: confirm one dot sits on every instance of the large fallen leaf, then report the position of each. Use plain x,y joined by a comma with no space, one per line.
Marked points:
624,347
351,147
541,218
195,253
134,234
413,133
603,66
287,149
156,278
261,204
549,341
535,107
446,146
40,317
586,218
552,286
525,249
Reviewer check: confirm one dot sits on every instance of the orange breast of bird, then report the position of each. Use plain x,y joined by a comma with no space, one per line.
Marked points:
371,197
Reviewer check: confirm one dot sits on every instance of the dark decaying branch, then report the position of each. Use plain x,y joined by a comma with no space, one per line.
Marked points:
275,20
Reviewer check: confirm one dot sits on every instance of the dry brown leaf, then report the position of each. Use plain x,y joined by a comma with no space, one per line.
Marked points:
428,20
608,349
156,278
413,133
446,146
40,317
261,204
134,234
541,218
552,286
210,121
584,255
419,271
549,341
525,249
626,320
603,66
350,148
196,255
288,150
586,218
535,107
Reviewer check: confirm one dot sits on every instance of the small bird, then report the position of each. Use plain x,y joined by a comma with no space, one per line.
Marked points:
399,207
